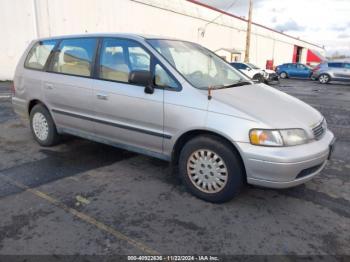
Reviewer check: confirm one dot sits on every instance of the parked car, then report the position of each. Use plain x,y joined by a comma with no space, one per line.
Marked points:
179,102
269,75
331,71
254,73
294,70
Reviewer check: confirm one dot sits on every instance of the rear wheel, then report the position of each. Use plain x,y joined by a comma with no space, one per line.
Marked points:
283,75
210,169
42,126
324,78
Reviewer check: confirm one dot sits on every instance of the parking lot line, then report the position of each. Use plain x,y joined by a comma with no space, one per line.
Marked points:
82,216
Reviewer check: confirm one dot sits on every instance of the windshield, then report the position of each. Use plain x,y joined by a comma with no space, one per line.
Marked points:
197,65
253,66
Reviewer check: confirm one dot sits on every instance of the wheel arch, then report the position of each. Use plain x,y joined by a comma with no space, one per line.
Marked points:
189,135
33,103
283,71
327,74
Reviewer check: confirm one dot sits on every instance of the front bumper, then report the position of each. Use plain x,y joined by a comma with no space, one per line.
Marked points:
273,77
285,167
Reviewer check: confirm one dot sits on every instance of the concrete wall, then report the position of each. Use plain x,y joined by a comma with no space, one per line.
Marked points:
24,20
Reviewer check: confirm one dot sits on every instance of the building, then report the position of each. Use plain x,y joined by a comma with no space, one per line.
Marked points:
24,20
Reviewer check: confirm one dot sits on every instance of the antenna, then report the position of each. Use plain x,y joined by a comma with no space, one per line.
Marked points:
209,92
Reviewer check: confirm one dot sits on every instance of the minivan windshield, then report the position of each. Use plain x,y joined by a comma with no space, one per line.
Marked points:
198,65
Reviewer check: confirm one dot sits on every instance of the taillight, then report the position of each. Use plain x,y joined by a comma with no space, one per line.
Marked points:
316,68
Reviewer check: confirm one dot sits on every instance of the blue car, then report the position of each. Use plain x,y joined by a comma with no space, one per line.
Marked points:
294,70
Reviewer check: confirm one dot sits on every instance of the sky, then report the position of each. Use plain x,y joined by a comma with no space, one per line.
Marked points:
323,22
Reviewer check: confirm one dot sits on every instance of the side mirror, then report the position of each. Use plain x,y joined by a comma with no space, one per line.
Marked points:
248,69
142,78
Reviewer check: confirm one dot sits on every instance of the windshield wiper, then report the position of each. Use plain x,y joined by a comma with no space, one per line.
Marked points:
239,83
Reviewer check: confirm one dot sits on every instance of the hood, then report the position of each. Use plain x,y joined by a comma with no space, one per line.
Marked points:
264,104
269,71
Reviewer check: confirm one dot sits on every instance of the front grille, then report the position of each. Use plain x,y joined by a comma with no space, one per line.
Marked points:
319,130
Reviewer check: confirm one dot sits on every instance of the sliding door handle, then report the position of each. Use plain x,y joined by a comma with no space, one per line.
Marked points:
102,96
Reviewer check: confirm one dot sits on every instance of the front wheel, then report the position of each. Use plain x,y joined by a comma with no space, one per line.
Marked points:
283,75
259,78
324,78
42,126
211,169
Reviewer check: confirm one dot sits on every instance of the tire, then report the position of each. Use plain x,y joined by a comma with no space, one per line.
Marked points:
206,149
283,75
43,127
259,78
324,79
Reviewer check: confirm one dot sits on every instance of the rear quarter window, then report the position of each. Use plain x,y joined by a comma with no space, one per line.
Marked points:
38,55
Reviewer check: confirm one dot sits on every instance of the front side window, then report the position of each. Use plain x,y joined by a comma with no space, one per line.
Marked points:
74,57
197,65
39,54
163,79
347,65
119,57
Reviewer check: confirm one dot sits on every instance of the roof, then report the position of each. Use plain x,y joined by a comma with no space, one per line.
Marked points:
245,20
122,35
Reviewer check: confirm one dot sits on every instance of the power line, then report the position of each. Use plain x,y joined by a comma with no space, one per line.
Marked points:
201,30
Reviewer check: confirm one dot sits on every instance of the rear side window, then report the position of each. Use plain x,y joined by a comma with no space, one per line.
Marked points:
74,57
335,65
39,54
347,65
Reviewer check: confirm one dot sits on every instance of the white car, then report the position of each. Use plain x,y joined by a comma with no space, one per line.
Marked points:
256,73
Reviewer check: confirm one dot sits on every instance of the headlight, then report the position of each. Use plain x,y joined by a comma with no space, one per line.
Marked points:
265,137
284,137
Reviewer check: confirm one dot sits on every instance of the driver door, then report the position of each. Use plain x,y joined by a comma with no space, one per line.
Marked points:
125,114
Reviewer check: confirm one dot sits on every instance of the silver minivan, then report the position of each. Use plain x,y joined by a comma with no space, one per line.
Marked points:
174,100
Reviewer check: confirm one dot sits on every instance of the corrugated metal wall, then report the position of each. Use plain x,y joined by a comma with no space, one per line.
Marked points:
24,20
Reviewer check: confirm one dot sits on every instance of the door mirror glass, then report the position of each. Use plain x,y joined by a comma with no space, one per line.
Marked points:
142,78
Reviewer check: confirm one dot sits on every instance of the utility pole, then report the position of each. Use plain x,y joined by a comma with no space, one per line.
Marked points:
249,29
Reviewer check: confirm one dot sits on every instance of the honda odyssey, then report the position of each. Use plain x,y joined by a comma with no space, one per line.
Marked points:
174,100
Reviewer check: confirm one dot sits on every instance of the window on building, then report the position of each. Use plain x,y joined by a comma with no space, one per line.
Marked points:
163,79
39,54
75,57
120,57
